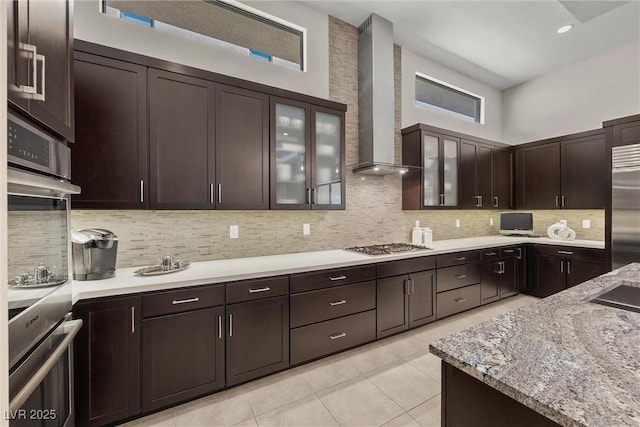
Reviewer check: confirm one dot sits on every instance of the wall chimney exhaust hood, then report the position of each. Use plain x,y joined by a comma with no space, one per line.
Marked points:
376,112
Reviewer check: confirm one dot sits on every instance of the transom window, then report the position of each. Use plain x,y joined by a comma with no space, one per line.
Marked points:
440,96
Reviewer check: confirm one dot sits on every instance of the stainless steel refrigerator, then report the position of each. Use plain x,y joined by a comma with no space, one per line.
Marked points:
625,205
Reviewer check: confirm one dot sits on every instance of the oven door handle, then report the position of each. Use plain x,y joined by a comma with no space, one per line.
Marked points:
21,182
70,330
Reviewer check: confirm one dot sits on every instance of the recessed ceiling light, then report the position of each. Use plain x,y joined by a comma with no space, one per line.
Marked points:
565,28
376,169
285,134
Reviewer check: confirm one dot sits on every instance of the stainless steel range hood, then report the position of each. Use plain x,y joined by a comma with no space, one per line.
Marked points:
376,112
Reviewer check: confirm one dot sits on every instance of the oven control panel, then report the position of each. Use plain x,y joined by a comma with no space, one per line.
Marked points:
26,145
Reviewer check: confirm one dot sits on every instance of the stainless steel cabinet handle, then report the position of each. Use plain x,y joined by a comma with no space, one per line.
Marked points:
462,258
478,202
501,267
565,252
336,336
33,50
219,193
519,254
142,191
480,198
462,276
339,302
220,327
508,251
490,254
568,267
309,195
562,198
185,301
561,266
37,96
459,300
230,325
557,201
255,291
442,200
333,279
133,320
405,283
413,286
495,202
314,196
211,193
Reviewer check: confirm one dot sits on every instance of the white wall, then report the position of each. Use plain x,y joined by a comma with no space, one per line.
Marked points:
412,114
93,26
575,98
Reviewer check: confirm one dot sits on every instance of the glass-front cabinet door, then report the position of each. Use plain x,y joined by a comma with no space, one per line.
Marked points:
328,160
440,170
290,155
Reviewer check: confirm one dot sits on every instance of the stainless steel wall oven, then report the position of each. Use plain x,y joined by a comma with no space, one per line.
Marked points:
40,330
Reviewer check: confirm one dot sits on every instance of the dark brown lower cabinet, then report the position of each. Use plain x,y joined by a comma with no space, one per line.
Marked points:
257,339
107,371
556,268
182,357
499,279
405,302
467,401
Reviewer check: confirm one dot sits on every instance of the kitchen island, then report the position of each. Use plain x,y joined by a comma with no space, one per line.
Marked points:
563,360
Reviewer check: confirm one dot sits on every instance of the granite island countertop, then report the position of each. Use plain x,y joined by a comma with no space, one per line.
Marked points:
227,270
573,361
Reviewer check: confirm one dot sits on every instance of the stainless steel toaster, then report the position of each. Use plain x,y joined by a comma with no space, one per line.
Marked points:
94,253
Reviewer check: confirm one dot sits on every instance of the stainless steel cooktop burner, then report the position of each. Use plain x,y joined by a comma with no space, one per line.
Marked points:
386,249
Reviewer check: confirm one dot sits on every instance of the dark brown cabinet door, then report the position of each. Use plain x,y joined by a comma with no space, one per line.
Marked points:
549,276
327,159
502,179
485,176
181,141
106,354
508,278
393,305
422,299
579,271
584,173
242,149
257,339
51,31
182,357
490,282
468,174
538,177
18,60
109,159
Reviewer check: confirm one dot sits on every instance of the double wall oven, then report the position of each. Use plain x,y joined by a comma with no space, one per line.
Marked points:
41,331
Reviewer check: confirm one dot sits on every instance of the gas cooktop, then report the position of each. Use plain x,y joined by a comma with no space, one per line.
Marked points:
386,249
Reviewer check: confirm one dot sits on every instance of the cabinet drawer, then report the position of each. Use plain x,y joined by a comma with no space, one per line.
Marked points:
490,254
177,301
317,306
250,290
457,276
512,251
329,278
571,252
320,339
405,266
457,300
457,258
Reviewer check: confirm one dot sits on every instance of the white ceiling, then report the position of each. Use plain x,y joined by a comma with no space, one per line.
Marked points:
500,43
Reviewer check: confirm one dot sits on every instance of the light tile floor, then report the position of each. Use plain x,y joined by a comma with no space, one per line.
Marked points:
393,382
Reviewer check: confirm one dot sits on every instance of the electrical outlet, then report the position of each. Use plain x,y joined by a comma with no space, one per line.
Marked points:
233,231
457,223
490,221
586,223
306,229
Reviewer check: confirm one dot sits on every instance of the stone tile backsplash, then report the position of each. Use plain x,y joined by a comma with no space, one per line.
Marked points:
373,211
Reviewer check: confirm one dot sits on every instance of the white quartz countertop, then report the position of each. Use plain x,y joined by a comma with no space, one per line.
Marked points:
227,270
571,360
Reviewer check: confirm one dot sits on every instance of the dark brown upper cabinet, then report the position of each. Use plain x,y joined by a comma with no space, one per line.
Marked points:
39,62
307,156
436,184
242,149
181,141
485,176
568,172
110,158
